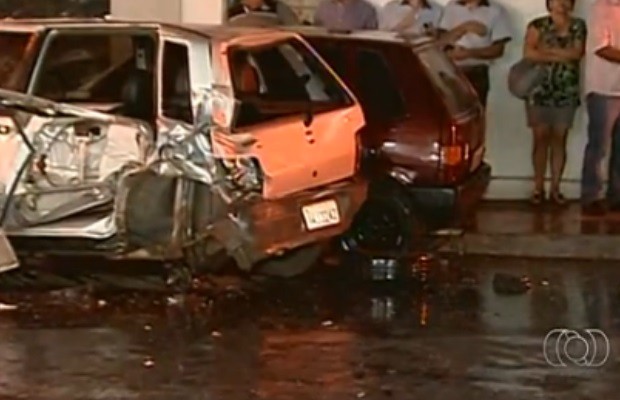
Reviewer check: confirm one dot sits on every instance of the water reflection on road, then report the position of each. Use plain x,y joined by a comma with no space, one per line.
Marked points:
324,337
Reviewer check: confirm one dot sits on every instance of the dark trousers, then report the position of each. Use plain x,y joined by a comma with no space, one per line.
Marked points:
478,76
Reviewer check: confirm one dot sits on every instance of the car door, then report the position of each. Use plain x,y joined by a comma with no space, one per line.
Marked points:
273,115
16,152
304,138
333,123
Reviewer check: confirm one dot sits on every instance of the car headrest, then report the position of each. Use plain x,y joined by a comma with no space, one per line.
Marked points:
136,94
248,79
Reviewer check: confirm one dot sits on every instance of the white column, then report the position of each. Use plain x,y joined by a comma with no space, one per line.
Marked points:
173,11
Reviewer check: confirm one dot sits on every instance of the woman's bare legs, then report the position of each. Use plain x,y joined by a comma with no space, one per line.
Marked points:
540,150
558,162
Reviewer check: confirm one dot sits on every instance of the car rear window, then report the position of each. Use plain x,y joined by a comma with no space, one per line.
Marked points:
454,88
377,87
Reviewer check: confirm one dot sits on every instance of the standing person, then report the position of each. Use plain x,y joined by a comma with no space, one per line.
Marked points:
346,15
557,41
602,88
410,17
284,13
475,33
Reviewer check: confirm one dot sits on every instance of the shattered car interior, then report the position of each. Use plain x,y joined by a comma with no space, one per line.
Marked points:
175,143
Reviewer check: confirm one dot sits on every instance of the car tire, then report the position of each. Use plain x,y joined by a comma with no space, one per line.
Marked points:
385,224
292,263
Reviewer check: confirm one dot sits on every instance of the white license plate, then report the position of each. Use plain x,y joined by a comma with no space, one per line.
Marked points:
321,215
8,260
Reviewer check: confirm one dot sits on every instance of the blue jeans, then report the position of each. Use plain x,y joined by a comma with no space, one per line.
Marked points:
601,160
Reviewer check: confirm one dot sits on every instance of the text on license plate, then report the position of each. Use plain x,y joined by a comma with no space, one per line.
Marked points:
321,215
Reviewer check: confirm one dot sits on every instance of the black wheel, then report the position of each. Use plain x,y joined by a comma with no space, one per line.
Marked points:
385,224
292,263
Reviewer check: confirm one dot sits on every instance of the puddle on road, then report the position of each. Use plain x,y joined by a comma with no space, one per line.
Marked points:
455,331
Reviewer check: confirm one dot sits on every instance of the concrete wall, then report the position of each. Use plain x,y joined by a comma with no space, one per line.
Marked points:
508,139
191,11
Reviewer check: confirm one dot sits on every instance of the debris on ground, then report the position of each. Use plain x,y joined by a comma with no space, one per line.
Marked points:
509,284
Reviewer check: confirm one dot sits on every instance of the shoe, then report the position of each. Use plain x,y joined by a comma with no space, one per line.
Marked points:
538,197
557,198
594,208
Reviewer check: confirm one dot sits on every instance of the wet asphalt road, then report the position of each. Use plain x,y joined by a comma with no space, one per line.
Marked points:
453,333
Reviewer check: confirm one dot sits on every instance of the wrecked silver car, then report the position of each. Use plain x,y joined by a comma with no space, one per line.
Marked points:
150,141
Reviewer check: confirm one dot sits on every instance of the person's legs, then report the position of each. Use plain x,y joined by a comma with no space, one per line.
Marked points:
541,134
613,188
558,161
601,121
540,152
562,122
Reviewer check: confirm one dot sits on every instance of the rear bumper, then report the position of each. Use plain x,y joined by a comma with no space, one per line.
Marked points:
279,225
450,206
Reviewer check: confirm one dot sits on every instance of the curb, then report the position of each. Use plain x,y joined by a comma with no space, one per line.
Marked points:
556,246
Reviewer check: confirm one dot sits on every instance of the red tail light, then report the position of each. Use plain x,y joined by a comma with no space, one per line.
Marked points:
454,153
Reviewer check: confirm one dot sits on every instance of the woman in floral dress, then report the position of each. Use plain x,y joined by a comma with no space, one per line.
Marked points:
557,41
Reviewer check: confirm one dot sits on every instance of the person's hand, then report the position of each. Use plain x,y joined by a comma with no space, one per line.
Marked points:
542,46
475,27
459,53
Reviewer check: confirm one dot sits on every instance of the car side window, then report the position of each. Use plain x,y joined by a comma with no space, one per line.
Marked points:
280,80
176,84
378,87
85,67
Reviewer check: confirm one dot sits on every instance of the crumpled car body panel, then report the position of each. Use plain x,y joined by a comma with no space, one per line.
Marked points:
181,176
96,180
59,163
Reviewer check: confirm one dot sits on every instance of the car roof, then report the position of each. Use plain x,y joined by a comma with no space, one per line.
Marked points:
382,36
219,32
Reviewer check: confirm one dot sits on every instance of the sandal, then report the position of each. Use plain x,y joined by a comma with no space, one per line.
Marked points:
557,198
538,197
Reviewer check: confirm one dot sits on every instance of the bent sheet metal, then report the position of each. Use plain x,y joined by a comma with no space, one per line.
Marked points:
8,259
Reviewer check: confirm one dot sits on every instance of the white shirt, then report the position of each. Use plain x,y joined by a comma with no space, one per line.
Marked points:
602,76
378,4
493,16
394,12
